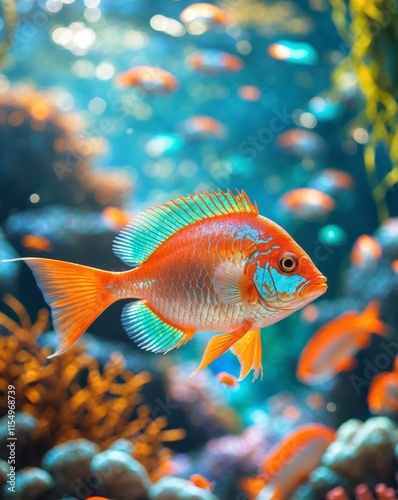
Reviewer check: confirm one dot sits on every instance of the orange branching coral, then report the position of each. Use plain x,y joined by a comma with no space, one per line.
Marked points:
71,397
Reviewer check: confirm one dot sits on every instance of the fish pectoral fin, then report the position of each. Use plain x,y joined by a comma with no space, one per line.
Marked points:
149,331
220,344
232,285
248,350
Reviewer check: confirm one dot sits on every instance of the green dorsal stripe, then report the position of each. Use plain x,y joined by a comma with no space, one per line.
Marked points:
146,232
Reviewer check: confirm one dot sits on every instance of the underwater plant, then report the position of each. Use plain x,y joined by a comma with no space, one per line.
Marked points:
69,397
370,30
267,18
9,13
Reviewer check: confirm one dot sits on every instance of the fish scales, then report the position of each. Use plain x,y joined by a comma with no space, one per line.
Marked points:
183,268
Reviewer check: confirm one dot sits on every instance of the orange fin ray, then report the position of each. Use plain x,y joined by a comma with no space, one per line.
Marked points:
249,353
77,295
219,344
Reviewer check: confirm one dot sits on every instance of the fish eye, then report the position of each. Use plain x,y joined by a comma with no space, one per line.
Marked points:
288,263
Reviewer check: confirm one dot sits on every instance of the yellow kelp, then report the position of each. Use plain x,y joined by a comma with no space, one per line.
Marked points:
8,11
370,28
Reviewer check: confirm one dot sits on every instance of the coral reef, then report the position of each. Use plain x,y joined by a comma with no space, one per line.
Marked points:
51,158
202,401
8,270
122,476
67,230
32,483
174,488
69,397
364,453
382,492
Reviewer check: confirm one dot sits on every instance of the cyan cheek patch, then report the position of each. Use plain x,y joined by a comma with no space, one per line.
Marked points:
286,284
264,283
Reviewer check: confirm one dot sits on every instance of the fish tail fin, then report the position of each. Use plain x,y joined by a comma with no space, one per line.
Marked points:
370,319
77,295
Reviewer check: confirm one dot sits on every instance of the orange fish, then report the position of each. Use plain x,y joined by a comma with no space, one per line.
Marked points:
206,262
37,242
333,347
213,61
289,463
227,379
201,127
252,486
365,252
116,218
151,80
98,498
394,266
310,313
331,180
383,393
201,482
249,92
307,203
206,13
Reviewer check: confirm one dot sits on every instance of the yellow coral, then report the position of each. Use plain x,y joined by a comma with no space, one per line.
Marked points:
371,29
71,398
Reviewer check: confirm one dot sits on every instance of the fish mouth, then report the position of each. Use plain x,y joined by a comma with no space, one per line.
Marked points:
316,287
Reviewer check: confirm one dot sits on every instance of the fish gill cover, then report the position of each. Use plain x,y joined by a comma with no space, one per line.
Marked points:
174,124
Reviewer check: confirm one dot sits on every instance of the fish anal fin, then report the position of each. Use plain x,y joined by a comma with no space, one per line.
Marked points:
219,344
248,350
150,229
149,330
232,285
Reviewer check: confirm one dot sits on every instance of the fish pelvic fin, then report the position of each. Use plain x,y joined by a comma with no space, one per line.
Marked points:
77,295
219,344
150,331
248,350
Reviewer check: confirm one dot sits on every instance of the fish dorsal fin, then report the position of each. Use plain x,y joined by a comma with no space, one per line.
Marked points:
146,232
